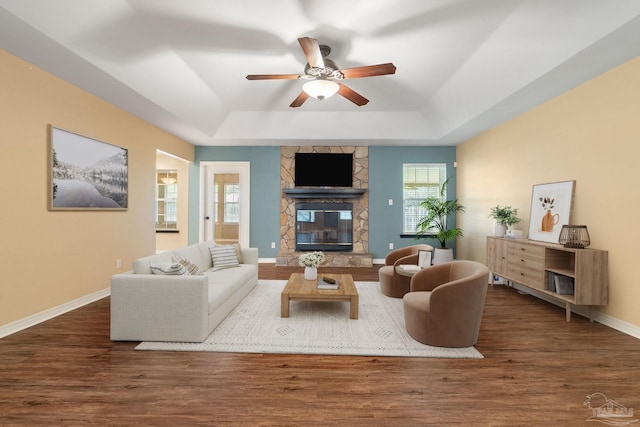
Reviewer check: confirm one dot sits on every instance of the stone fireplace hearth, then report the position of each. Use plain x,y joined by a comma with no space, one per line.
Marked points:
357,196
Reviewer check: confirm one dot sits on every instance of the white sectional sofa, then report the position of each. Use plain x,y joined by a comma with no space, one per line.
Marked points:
185,308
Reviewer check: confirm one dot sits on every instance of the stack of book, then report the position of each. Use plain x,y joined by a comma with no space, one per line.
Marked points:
327,283
560,284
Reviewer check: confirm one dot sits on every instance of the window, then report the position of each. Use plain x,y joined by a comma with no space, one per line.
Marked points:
167,199
419,181
232,203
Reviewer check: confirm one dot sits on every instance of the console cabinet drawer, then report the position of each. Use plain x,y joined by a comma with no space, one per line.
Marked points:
515,249
527,273
525,264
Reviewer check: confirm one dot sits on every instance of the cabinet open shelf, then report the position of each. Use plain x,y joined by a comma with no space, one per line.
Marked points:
563,271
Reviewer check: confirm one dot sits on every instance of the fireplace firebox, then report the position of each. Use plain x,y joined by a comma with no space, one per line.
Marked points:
324,227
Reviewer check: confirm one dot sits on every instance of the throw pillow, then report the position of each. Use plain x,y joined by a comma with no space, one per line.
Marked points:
239,253
224,257
168,268
193,269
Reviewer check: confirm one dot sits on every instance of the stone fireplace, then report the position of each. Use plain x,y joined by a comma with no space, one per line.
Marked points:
357,255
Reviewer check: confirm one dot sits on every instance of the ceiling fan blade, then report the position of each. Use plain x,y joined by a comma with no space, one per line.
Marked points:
299,100
311,50
352,95
369,71
273,76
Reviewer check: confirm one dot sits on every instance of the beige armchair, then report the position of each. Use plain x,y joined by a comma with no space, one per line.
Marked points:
393,284
444,307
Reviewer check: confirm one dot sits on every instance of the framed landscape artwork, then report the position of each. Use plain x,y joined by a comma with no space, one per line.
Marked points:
550,209
85,174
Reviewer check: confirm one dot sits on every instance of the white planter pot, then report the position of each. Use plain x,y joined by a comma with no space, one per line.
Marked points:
500,230
441,255
310,273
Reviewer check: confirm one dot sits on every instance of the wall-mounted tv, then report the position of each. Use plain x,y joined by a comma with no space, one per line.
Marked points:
324,170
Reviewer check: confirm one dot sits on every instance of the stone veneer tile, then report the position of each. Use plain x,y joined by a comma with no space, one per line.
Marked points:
360,256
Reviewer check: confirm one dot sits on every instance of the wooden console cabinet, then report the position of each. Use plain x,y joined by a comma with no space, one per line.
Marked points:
536,264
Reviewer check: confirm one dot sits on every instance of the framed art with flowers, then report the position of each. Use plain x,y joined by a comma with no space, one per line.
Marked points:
551,206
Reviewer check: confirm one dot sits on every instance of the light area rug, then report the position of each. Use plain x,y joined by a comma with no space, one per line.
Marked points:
255,326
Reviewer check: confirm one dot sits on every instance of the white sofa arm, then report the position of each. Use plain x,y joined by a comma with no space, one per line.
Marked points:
249,255
159,308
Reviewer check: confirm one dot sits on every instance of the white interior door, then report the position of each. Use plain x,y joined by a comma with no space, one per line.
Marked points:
208,171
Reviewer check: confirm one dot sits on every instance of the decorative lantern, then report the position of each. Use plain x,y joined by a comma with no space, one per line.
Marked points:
574,236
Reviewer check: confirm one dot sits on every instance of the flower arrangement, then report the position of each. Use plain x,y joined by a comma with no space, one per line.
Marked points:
311,259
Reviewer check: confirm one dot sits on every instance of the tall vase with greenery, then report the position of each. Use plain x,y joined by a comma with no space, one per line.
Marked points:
435,221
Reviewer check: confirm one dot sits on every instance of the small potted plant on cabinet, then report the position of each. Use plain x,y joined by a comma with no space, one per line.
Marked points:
505,216
435,222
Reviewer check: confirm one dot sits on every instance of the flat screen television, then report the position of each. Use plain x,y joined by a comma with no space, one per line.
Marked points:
324,170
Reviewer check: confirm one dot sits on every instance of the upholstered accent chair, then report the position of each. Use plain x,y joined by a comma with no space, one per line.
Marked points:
393,284
444,307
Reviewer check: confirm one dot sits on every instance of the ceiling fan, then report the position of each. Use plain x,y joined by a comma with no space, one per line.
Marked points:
324,77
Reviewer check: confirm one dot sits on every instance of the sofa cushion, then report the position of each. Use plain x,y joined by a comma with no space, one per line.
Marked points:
205,253
192,268
141,265
192,253
231,275
224,257
224,283
168,268
239,253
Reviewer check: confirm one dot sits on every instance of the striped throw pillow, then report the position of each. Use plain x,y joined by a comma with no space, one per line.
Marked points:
192,268
224,257
168,268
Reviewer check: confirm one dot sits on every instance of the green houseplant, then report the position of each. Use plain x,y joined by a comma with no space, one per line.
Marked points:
435,221
504,216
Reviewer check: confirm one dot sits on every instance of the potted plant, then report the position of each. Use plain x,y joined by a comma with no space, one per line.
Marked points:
435,222
505,216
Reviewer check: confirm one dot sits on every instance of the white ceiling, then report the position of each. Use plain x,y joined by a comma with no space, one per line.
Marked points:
463,66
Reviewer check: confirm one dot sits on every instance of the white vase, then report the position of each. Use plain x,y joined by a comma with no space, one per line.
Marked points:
310,273
442,255
500,230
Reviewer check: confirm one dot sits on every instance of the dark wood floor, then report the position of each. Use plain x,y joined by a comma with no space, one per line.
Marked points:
537,371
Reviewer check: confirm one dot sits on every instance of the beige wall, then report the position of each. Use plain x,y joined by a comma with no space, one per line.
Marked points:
50,258
166,241
589,134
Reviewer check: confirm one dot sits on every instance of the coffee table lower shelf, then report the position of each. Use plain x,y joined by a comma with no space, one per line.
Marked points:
299,289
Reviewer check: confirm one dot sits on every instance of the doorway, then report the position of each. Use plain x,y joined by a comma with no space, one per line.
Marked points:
226,208
171,202
225,196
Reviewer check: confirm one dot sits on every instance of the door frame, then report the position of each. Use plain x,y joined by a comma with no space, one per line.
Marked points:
207,172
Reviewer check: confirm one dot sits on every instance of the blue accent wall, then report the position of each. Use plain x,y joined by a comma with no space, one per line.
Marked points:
385,182
265,192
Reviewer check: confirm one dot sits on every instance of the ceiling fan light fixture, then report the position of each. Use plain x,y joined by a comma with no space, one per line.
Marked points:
321,88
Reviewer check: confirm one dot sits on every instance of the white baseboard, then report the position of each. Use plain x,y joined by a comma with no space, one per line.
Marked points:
34,319
598,316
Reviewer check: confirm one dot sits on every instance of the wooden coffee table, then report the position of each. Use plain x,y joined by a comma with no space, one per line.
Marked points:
298,289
